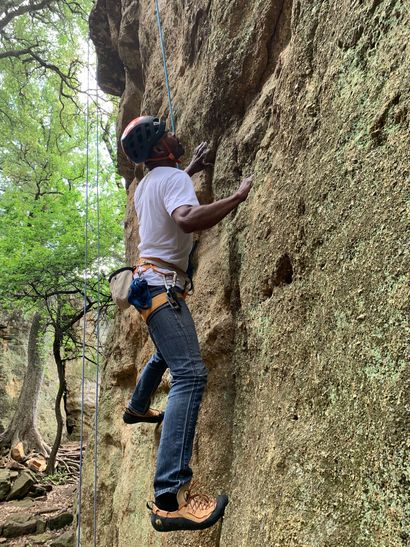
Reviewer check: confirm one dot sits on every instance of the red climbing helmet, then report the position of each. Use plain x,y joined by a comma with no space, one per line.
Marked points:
140,135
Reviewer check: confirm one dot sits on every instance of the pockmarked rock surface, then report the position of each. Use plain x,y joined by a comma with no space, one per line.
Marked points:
302,295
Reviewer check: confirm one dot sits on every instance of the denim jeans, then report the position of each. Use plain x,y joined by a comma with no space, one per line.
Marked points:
174,335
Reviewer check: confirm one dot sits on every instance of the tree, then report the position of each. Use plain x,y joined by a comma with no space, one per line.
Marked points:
43,167
23,425
42,245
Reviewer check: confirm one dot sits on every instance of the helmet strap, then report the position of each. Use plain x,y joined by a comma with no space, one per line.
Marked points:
170,156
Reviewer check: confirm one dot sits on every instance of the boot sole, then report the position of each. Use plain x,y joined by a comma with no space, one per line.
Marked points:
130,419
166,524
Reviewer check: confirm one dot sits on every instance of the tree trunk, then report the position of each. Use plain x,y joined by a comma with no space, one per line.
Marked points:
57,343
23,424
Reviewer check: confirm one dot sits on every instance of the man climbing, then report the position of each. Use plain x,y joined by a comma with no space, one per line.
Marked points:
168,213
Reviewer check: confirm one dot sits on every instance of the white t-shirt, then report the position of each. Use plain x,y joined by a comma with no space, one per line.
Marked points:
159,193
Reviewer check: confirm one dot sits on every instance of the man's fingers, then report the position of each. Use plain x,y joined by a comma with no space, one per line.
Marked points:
245,187
203,151
199,159
200,147
204,154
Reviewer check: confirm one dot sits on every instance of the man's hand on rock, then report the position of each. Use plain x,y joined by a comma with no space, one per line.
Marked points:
199,159
244,188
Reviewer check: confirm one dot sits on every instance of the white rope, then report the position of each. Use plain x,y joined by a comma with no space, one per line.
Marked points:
87,181
97,333
97,379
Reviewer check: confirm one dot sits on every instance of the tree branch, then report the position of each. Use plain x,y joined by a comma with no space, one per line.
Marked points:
15,53
68,79
22,9
77,317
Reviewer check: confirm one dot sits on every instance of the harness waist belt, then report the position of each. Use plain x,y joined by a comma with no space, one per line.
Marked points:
157,262
157,301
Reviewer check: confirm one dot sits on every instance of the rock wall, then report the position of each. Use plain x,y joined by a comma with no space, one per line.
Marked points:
302,297
14,333
13,348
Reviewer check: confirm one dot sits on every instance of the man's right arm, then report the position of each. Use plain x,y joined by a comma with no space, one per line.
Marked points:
201,217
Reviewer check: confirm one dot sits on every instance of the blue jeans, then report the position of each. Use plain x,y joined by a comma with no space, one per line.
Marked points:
174,335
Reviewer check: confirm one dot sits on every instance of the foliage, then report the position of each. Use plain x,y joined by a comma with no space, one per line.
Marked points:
61,476
38,34
43,168
50,162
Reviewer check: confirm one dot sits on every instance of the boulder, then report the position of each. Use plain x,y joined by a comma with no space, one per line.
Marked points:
21,486
19,525
25,503
42,538
50,510
37,491
59,521
5,483
41,526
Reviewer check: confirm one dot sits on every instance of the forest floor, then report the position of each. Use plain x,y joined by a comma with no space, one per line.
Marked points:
55,505
60,499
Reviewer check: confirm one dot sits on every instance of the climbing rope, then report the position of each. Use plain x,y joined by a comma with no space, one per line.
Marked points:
86,269
164,58
87,185
97,378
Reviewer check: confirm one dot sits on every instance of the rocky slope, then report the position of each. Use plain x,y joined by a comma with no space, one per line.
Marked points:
302,297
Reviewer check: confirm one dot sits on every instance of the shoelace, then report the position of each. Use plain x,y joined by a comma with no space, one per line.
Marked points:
197,500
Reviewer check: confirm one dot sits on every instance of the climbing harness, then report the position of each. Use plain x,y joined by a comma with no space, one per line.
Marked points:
140,295
128,289
149,262
159,300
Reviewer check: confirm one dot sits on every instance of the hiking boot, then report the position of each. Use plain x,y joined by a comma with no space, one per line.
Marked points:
195,512
152,416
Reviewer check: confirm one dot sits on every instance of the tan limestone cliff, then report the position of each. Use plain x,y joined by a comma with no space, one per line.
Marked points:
302,298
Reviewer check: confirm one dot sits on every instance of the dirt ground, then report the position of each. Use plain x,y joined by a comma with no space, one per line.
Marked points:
60,499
